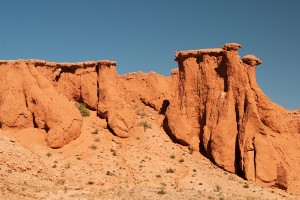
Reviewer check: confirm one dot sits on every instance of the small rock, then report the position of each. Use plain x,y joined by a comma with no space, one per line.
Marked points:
13,140
78,188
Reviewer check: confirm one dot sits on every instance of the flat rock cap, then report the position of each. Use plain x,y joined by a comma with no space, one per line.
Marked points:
251,60
231,46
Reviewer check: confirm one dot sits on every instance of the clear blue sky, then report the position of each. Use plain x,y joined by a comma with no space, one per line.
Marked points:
143,35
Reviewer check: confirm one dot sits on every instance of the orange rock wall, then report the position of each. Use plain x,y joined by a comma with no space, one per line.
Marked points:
211,103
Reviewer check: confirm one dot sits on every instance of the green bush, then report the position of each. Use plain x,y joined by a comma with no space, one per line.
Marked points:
170,170
161,191
83,109
146,125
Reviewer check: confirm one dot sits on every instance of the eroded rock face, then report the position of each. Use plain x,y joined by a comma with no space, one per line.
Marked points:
112,105
211,103
220,110
28,99
152,89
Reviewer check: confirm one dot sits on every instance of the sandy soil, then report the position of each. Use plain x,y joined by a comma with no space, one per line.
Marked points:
148,165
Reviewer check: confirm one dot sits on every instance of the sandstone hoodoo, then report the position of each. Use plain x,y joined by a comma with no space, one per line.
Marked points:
219,110
211,103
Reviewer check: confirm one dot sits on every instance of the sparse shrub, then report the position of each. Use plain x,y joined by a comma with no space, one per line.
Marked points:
142,113
181,160
246,186
54,166
94,147
96,131
83,110
158,176
114,153
170,170
68,166
218,188
60,182
194,170
97,140
161,191
146,125
108,173
48,154
172,156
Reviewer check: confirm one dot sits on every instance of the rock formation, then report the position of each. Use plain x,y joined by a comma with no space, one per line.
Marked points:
220,110
27,99
211,103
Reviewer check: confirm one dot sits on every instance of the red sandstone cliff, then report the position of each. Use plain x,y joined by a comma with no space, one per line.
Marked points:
211,103
220,110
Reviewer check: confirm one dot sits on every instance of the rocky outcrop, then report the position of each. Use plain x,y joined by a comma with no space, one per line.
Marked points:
220,110
27,99
77,81
152,89
95,84
211,103
112,105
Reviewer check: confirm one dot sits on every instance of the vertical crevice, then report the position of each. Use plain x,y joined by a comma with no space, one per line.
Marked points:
237,117
46,127
237,159
254,161
164,107
202,123
222,72
98,95
26,103
34,122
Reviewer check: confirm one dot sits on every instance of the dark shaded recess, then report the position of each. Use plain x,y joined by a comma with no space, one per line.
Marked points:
199,60
171,135
164,107
34,122
166,127
205,152
98,95
110,129
46,127
26,103
237,158
0,124
281,181
147,104
202,122
222,72
65,70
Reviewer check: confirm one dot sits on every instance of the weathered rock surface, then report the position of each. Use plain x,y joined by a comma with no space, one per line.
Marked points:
27,99
152,89
220,110
211,103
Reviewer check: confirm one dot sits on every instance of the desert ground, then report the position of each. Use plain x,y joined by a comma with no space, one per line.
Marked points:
99,165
